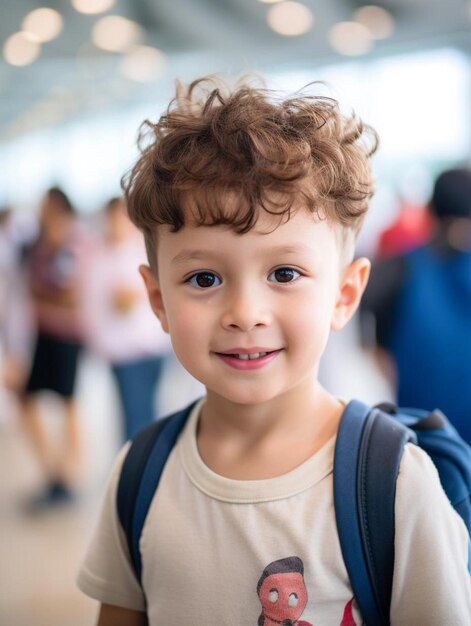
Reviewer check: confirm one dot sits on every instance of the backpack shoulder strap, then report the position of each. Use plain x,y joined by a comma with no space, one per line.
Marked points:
368,452
140,476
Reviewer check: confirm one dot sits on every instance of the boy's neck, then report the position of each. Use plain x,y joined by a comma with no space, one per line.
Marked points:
254,442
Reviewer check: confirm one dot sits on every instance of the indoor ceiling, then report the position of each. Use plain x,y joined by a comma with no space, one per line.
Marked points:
72,76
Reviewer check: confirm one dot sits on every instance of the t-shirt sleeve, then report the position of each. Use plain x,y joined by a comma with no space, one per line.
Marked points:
431,581
107,574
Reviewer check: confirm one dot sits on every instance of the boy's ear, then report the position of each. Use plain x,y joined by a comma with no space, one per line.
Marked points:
352,286
154,294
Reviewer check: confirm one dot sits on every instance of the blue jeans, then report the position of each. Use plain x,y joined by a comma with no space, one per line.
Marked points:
137,381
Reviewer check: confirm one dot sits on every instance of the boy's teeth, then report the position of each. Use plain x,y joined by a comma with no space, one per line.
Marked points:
251,357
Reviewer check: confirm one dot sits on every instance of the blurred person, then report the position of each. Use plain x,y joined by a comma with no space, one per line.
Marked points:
8,262
417,309
120,325
15,322
410,229
7,255
54,269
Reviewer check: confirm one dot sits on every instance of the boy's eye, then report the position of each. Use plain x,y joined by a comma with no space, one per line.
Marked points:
284,275
203,280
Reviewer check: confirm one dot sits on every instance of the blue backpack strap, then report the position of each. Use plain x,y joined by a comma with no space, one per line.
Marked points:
450,454
140,476
368,451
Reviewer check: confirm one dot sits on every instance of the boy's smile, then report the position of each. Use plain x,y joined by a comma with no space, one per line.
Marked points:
248,358
249,314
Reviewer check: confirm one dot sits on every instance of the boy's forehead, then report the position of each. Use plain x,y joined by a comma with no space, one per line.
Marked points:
265,224
231,204
298,232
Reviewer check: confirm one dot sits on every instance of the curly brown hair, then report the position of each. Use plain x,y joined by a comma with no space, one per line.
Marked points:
250,144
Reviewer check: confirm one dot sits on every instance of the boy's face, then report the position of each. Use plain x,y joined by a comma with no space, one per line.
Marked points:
249,315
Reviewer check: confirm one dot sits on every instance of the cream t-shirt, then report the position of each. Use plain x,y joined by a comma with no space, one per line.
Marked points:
217,551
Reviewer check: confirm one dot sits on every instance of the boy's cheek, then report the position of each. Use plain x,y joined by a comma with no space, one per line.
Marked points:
182,324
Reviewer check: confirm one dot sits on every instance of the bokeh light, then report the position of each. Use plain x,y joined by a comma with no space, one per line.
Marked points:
43,24
19,49
290,18
92,7
350,39
377,20
115,33
143,64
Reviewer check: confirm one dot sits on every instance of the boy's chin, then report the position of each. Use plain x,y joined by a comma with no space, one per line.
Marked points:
256,397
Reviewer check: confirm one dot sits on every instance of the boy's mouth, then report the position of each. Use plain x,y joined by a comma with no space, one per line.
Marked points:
248,357
247,354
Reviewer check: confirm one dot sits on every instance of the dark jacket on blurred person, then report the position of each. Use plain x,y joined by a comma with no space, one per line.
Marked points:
417,309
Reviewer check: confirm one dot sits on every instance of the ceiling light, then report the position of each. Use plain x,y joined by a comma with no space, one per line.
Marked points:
115,33
350,38
92,7
43,24
19,49
143,64
377,20
269,1
290,18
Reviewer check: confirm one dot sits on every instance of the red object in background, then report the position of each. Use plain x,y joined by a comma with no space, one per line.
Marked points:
411,229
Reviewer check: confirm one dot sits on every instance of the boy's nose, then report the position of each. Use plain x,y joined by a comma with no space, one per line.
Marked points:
245,311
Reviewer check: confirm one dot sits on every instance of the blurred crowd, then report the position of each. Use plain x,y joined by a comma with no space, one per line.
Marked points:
66,287
70,285
416,311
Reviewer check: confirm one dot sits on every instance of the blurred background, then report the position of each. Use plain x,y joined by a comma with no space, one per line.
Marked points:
77,77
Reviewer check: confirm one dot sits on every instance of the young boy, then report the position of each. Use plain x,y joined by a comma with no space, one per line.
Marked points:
249,206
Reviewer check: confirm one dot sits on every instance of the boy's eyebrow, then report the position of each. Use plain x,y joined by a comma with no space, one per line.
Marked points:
292,249
190,255
197,255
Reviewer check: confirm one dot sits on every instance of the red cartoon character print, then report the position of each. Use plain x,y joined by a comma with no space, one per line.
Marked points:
282,593
348,619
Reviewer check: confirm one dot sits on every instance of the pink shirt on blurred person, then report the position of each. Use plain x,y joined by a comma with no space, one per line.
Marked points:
119,335
56,277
